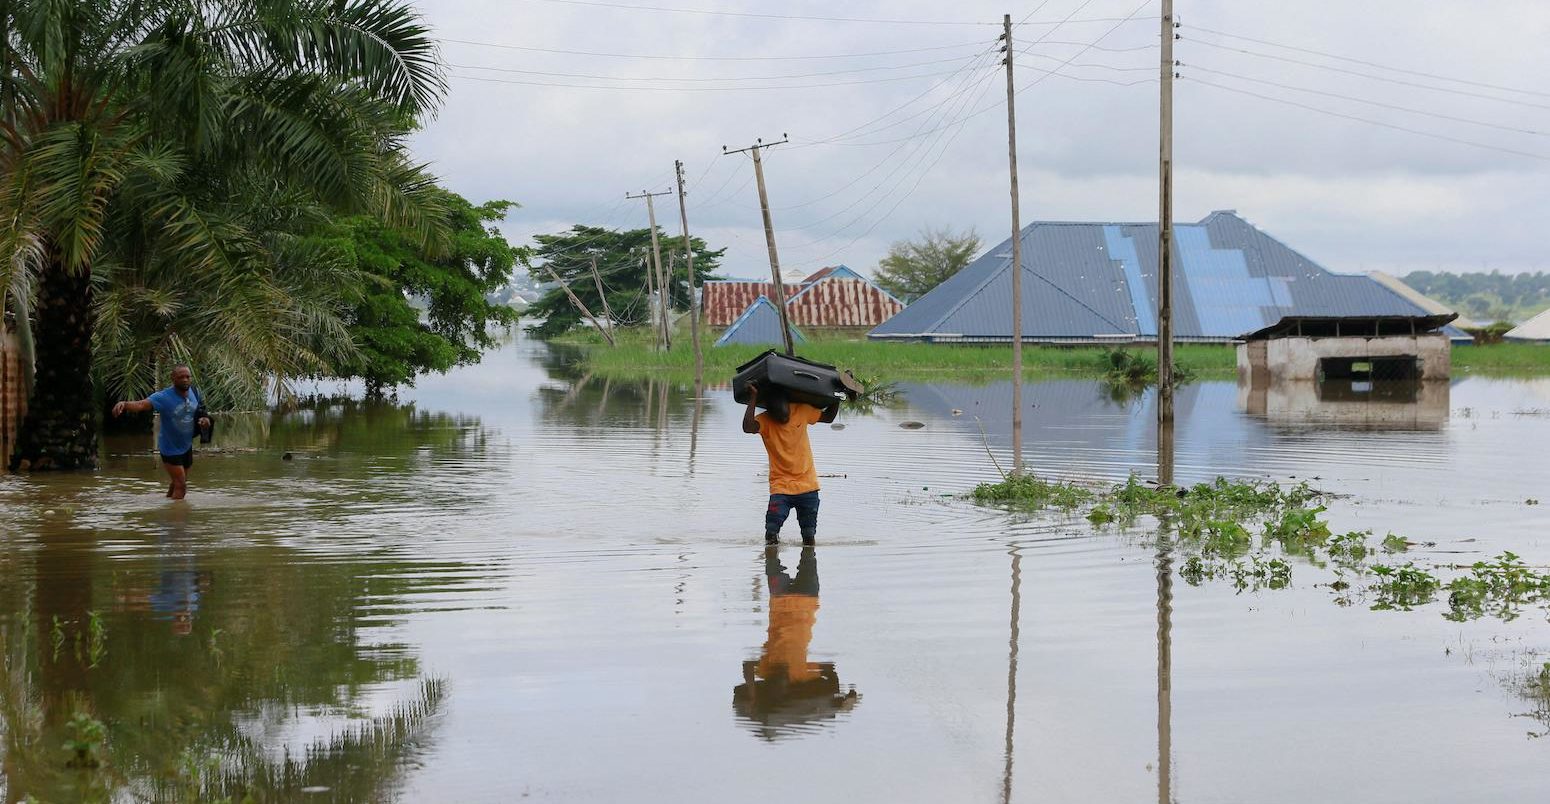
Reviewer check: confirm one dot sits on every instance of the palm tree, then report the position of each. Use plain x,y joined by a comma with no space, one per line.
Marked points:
135,136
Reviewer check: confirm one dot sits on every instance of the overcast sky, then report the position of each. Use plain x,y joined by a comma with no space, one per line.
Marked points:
884,145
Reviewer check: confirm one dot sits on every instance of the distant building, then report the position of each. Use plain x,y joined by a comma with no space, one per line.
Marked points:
1421,300
1536,329
1097,283
759,325
832,297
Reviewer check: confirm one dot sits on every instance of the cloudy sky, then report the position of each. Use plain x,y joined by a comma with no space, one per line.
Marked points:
1386,134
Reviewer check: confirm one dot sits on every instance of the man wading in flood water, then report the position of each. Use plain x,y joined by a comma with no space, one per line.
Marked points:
182,413
793,478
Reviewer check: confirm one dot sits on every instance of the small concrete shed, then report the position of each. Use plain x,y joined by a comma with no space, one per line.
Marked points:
1366,347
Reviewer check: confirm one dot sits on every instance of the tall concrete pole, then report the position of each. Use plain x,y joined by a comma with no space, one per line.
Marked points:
1017,258
1165,224
769,239
663,285
694,301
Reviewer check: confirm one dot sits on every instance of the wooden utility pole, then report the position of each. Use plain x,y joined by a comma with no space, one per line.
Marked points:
769,235
651,285
608,314
1017,258
656,259
1165,224
694,301
607,335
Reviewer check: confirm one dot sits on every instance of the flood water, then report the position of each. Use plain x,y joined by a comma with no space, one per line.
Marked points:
519,582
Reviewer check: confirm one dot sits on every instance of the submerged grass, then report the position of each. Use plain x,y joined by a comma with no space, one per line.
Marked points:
1212,527
1509,359
636,355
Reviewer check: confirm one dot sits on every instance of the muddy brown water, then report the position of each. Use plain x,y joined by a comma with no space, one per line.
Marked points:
519,581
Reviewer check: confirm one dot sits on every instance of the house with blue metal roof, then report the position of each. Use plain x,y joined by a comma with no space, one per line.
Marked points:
759,325
1097,282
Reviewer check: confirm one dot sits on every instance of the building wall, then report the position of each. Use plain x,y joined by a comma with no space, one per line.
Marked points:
1297,358
13,403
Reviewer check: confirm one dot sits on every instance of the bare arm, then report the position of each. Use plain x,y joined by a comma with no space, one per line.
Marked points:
750,424
131,407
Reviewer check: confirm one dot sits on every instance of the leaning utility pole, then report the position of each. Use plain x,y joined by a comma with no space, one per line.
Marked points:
1165,224
769,235
608,315
694,301
656,258
1017,258
582,308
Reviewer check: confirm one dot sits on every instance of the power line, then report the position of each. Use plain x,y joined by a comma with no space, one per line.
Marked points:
783,77
1369,76
821,85
1367,63
1380,104
753,15
663,57
1379,123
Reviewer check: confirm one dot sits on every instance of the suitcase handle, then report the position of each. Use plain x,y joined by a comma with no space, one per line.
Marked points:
807,374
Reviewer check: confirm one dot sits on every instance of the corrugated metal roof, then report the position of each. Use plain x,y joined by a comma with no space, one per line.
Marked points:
832,297
759,325
1422,300
1534,329
723,300
1098,281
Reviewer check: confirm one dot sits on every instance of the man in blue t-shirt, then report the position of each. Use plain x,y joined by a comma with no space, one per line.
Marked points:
175,441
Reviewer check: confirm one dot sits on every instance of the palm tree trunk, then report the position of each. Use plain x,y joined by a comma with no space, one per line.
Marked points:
60,429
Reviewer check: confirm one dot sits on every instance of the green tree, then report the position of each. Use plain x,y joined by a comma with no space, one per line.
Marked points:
132,129
914,267
455,283
619,256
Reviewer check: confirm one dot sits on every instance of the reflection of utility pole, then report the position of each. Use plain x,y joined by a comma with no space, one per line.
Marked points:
694,300
1165,224
769,235
656,260
1011,673
1017,259
1164,622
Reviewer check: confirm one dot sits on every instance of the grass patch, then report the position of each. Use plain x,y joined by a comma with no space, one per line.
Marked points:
1509,359
636,356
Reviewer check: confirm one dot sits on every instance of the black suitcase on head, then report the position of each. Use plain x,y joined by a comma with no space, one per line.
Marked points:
782,378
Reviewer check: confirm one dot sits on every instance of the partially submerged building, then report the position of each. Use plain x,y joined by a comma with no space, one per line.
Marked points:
1534,330
759,325
1097,283
836,296
1363,349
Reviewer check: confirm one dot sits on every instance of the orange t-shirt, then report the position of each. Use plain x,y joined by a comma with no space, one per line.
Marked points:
791,456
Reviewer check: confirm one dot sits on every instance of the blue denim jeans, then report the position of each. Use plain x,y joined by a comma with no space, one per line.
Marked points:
781,505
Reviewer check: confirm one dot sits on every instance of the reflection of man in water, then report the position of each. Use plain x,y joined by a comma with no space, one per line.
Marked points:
179,585
782,688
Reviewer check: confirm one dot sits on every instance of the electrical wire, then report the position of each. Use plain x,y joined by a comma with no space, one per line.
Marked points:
1369,76
521,82
785,77
754,15
664,57
1367,63
1433,135
1368,101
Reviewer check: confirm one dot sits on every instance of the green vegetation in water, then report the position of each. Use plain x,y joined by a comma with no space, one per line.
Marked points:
87,734
1212,527
637,355
1510,359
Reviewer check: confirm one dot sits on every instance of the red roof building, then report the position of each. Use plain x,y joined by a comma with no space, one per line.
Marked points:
832,297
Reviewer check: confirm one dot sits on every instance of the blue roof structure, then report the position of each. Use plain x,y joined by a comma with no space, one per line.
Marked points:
759,325
1086,282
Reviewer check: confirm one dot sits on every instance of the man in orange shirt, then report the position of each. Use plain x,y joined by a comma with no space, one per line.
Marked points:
793,478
